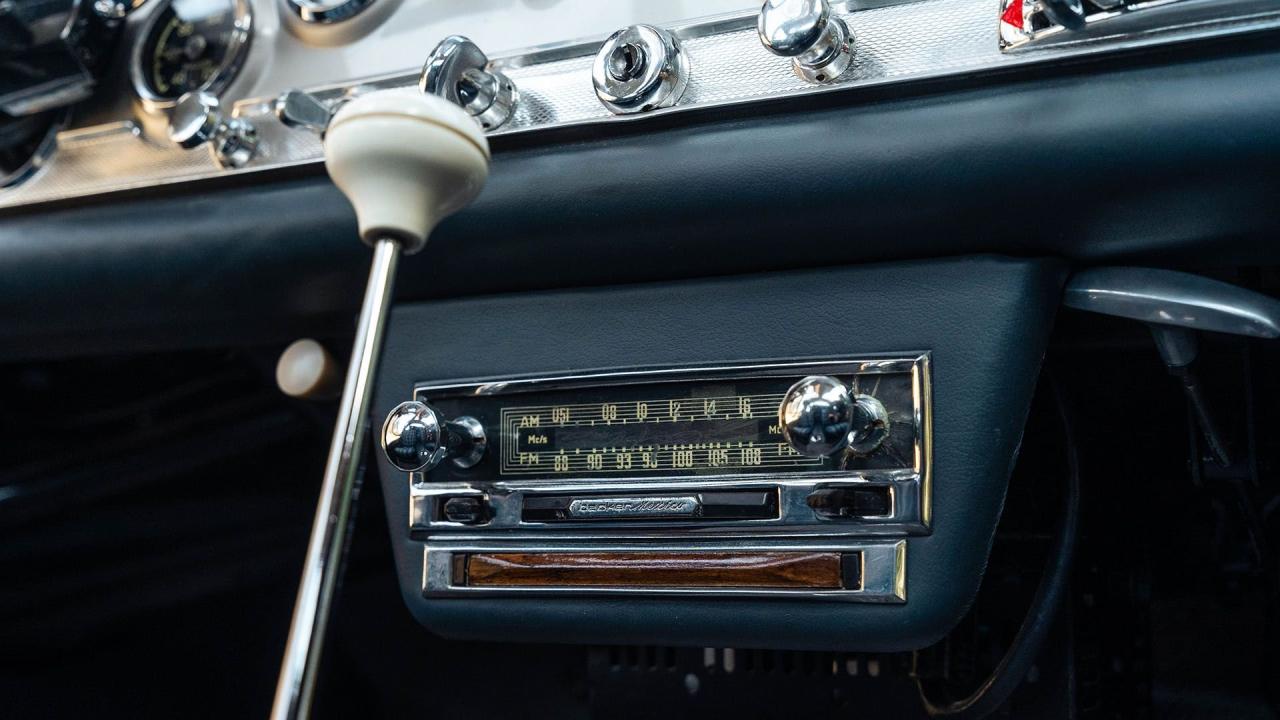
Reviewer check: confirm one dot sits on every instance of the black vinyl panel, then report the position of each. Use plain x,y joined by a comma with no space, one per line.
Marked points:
985,320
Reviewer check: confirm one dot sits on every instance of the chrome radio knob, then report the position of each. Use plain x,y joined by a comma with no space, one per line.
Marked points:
821,46
196,120
415,437
459,71
819,417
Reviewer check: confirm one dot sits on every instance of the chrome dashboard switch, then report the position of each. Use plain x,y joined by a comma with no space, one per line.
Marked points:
1069,14
820,46
196,120
416,438
640,68
819,416
302,110
459,71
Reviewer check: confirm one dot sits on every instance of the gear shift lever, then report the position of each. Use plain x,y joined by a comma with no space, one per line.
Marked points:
405,161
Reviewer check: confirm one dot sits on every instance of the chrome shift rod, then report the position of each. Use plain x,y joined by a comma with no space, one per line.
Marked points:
405,161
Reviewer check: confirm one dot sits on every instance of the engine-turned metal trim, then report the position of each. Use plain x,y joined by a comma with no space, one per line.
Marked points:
897,43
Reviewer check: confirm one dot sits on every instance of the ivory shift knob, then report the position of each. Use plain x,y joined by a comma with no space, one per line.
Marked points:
405,161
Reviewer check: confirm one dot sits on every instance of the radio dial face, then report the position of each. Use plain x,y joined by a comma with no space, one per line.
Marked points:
742,426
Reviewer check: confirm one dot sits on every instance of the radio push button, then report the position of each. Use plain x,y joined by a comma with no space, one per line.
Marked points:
465,509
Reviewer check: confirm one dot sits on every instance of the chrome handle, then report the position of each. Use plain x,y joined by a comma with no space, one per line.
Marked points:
402,175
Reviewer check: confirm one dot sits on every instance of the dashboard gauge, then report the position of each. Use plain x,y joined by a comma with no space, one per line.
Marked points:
190,45
325,12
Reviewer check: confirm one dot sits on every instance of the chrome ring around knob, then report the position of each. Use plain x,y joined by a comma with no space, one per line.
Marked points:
640,68
195,120
816,416
459,71
820,45
415,438
470,441
870,425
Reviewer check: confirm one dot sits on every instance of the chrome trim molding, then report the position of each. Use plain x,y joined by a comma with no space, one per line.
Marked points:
884,569
909,488
897,43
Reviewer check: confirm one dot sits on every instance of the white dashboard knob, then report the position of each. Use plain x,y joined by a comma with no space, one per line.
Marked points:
307,370
405,161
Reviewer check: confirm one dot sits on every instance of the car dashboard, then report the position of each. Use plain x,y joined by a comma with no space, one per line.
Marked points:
885,358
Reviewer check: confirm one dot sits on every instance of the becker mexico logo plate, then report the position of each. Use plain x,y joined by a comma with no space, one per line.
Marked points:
623,507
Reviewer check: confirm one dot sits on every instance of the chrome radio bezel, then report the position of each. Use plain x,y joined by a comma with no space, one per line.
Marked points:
911,488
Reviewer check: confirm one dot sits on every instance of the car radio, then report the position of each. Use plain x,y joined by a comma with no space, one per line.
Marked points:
751,479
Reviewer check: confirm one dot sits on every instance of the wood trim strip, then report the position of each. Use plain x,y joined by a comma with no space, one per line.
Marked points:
805,570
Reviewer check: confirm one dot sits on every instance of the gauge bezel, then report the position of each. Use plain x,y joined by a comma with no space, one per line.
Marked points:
340,12
228,69
44,150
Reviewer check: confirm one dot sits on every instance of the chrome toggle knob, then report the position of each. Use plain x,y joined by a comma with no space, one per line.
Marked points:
819,417
458,71
302,110
195,120
640,68
415,437
1070,14
821,46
